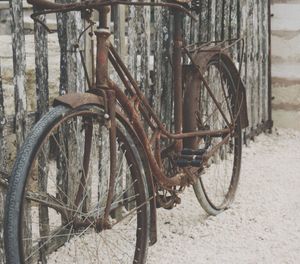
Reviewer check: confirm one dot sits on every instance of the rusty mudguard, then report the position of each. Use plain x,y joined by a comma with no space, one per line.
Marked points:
75,100
202,59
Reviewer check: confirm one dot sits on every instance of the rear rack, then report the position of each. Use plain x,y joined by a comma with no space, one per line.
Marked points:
215,46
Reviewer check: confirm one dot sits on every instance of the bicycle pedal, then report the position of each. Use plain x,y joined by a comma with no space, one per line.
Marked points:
197,152
191,157
192,163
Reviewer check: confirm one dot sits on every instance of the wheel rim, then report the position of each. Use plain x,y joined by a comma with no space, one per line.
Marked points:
55,226
219,178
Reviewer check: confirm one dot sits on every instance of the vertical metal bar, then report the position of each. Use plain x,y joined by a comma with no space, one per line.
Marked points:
19,62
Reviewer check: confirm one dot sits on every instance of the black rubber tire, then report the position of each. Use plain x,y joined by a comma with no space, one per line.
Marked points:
22,166
199,187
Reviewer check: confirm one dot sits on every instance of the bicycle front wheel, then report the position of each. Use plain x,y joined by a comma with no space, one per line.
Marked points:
217,181
58,192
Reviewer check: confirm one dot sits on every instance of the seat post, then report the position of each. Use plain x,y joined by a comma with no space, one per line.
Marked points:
102,35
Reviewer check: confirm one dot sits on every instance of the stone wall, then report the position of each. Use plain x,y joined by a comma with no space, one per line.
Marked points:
286,63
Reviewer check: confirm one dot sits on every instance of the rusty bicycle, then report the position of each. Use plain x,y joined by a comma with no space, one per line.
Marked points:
86,183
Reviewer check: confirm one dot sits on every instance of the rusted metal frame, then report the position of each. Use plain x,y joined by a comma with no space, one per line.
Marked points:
178,180
130,90
136,91
115,59
177,76
212,133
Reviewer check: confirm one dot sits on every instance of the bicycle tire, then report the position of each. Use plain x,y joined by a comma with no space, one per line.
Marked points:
207,186
28,233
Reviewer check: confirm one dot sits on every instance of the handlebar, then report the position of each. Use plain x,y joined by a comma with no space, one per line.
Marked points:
50,7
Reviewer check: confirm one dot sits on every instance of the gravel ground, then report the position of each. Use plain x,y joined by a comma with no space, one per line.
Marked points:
263,225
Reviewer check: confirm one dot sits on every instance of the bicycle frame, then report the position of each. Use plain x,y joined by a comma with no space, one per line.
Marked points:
107,94
138,105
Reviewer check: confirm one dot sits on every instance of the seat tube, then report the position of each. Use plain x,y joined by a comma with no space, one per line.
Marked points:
177,75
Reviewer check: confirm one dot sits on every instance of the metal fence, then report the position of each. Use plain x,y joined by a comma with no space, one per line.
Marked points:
143,38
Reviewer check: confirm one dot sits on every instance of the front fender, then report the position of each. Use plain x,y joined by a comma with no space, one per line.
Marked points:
74,100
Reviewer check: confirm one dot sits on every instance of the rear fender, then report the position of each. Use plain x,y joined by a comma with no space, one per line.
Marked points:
202,59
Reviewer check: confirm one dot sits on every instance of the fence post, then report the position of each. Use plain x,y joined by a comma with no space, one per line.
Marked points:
41,68
269,77
2,123
19,59
2,160
71,71
166,71
69,26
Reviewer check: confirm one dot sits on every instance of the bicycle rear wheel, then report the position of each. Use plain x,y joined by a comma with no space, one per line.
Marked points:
217,182
58,192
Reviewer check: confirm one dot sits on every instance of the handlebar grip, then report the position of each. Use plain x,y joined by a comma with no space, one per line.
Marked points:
45,4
